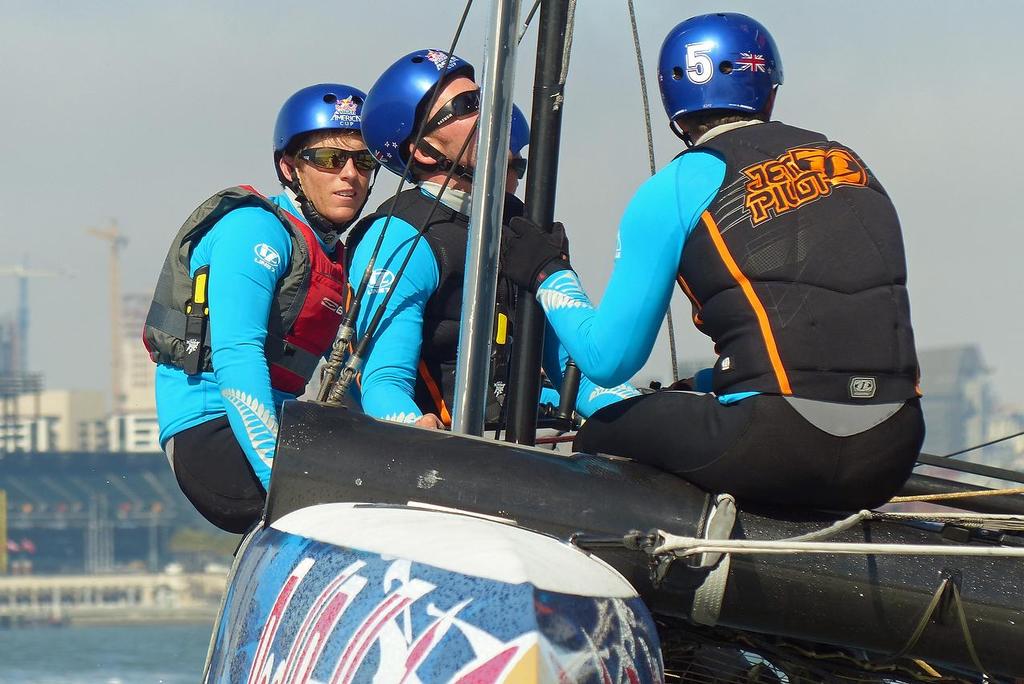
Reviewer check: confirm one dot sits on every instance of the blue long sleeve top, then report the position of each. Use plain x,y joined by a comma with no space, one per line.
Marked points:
240,250
388,380
612,341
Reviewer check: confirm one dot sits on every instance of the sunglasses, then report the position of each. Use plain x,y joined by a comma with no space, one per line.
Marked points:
518,167
461,105
334,158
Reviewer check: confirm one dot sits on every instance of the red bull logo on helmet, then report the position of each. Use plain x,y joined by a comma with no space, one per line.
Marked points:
439,57
345,111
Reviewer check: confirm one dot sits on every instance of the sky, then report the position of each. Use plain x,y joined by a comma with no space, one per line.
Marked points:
137,111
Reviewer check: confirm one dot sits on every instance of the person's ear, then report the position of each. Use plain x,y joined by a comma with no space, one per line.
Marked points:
287,166
421,157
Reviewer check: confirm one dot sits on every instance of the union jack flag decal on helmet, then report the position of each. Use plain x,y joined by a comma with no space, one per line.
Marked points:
750,62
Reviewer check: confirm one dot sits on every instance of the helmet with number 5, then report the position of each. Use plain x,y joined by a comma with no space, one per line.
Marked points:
718,61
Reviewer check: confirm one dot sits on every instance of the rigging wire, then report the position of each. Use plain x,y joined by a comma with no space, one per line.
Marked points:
329,391
354,362
983,445
653,167
529,18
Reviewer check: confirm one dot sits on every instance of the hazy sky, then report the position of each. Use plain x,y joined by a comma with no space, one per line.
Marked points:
140,110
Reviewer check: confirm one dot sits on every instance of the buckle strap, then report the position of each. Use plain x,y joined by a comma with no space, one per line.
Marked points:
170,322
294,359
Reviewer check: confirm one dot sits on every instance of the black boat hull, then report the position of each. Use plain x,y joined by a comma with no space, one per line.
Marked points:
870,602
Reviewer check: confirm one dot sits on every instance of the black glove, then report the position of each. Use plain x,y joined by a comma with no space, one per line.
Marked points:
532,253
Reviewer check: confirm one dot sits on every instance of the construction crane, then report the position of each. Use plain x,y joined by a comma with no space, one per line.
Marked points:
22,272
117,241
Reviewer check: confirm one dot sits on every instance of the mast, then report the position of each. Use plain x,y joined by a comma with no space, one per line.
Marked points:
481,281
542,172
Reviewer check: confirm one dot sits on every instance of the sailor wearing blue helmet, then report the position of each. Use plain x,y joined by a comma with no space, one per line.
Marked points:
250,298
410,371
791,255
519,137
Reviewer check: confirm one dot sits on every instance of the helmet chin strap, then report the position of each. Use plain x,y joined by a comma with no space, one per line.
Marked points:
680,133
443,163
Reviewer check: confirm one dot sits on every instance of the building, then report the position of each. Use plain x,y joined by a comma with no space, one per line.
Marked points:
958,403
137,370
53,420
8,346
136,432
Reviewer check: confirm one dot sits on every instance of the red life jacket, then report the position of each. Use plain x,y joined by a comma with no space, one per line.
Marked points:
308,306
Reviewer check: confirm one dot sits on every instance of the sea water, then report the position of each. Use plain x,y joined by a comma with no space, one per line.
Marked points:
136,654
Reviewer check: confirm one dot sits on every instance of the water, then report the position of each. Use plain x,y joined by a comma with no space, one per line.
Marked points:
136,654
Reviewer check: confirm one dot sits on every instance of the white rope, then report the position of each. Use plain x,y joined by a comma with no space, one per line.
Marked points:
690,546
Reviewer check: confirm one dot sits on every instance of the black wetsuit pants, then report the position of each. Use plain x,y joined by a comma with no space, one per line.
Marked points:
215,475
760,450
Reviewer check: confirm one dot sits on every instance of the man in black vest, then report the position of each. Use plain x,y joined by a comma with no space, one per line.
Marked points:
410,371
791,255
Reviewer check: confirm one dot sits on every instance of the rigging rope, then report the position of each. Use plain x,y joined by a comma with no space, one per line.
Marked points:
958,495
570,23
654,168
683,546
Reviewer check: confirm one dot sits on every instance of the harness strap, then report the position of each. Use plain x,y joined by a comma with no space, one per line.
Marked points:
286,354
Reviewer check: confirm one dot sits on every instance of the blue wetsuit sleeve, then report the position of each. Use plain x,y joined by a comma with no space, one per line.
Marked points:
388,383
248,251
591,396
612,342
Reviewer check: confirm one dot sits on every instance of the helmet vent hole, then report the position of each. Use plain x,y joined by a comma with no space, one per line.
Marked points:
725,67
330,98
677,73
417,59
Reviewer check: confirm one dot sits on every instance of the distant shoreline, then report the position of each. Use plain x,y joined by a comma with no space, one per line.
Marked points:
114,599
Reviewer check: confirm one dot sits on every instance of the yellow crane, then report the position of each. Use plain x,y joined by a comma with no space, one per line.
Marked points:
117,241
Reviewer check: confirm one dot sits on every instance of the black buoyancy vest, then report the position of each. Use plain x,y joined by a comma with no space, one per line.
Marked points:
447,235
796,270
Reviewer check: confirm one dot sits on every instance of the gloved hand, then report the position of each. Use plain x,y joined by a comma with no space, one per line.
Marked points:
531,254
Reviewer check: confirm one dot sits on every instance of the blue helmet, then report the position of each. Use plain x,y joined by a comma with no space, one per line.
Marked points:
520,135
718,61
394,104
326,106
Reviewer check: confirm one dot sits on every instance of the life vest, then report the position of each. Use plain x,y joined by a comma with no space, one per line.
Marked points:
447,235
305,314
796,270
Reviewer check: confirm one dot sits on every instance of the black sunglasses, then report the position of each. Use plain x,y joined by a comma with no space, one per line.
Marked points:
461,105
518,167
334,158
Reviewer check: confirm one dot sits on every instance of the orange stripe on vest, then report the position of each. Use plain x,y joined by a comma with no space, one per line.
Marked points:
755,303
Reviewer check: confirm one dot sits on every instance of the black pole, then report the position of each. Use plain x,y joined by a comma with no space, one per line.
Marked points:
541,179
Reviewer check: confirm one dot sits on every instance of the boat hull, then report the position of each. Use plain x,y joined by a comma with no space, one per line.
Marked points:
334,593
870,602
